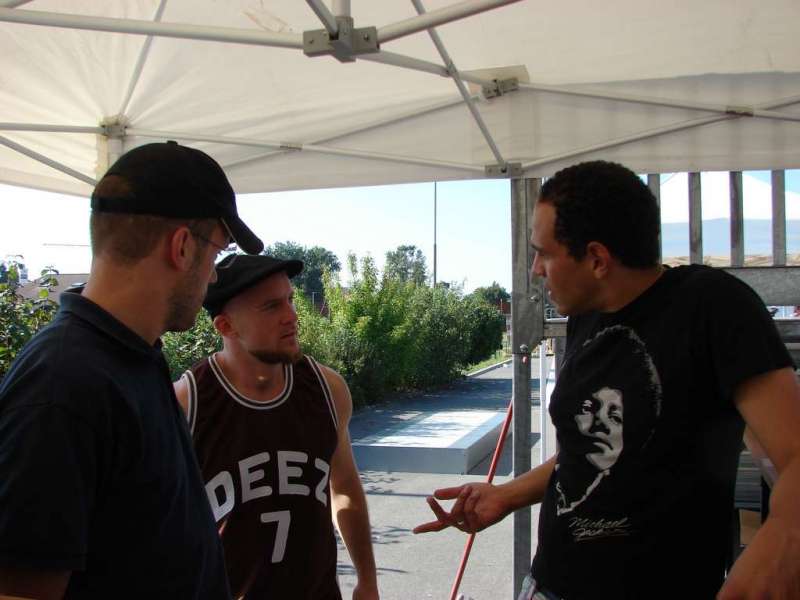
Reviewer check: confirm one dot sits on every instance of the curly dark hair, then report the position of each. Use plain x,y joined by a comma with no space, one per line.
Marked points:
605,202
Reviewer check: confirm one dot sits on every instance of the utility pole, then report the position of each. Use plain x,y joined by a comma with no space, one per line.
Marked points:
434,234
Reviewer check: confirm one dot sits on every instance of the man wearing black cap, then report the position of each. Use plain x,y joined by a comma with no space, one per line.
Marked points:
270,431
100,493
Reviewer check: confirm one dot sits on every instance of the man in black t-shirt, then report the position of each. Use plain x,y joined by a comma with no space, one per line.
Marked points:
662,370
100,492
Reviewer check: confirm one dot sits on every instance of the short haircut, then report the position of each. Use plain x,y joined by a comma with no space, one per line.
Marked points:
608,203
128,238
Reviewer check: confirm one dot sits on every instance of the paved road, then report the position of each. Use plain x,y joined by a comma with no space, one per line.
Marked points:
419,567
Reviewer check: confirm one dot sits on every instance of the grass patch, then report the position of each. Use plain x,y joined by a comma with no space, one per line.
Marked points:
495,358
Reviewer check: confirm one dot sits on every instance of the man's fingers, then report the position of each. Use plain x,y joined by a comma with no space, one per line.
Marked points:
437,509
430,527
457,510
448,493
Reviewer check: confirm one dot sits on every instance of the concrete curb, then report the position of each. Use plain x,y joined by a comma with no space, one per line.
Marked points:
489,368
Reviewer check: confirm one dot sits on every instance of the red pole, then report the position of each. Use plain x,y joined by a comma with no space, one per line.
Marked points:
492,468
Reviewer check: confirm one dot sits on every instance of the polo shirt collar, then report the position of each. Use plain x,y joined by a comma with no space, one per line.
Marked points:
72,301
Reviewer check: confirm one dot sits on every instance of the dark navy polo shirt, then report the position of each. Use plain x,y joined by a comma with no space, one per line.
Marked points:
97,471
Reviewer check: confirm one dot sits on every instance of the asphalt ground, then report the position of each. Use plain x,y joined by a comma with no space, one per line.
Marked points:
424,566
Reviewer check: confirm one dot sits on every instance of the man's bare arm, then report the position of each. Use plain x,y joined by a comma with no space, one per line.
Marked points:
182,392
480,505
33,584
770,566
347,495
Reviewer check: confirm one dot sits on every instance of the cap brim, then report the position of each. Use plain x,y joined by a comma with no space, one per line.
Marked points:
242,235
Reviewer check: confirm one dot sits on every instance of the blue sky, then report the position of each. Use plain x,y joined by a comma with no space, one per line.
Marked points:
473,229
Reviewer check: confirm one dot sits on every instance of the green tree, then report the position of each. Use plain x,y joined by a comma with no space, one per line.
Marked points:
316,259
493,294
406,264
21,318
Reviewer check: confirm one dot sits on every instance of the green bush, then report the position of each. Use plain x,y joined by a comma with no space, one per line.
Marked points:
184,349
21,318
384,334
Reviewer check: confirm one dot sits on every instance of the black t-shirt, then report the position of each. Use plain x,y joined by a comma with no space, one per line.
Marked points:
640,502
97,472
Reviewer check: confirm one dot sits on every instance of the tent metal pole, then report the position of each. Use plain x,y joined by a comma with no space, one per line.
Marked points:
650,133
406,62
341,8
411,114
175,30
50,128
46,161
527,328
425,162
324,15
192,137
437,17
453,71
143,53
415,64
665,102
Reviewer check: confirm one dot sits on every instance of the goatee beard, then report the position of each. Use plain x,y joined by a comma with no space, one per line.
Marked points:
271,358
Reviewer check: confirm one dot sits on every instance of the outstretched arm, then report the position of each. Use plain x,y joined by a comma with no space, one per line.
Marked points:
770,566
29,583
347,496
479,505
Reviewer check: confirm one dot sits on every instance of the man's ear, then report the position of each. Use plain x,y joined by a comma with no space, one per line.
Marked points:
222,323
181,247
599,258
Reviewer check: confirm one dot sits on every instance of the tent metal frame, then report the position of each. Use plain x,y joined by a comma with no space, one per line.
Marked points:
424,21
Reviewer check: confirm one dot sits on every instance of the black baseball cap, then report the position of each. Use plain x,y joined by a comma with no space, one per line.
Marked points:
170,180
238,272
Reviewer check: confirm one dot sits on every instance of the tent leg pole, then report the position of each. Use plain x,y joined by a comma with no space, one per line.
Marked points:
527,327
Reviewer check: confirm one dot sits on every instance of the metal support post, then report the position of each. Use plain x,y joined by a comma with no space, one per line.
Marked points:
543,401
737,219
527,325
654,183
695,220
779,218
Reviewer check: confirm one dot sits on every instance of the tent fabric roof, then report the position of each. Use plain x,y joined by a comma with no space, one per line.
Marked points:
363,122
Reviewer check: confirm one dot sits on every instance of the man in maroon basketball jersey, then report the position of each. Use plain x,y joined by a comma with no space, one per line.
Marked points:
270,429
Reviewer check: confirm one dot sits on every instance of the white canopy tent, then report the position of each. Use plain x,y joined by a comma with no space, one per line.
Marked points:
658,86
519,90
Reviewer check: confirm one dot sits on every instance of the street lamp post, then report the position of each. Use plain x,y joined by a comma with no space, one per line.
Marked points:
434,234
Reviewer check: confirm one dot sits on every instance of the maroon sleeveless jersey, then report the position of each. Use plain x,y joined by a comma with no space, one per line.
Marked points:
266,466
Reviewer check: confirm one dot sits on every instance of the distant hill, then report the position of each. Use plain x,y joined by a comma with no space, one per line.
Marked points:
716,237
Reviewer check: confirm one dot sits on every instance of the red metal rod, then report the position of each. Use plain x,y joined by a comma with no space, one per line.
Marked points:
492,468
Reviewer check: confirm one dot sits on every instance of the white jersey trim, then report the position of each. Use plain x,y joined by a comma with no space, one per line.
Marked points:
191,405
288,373
326,390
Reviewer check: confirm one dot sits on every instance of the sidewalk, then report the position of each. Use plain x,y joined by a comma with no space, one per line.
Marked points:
420,567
